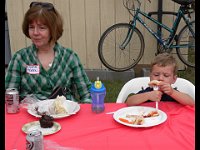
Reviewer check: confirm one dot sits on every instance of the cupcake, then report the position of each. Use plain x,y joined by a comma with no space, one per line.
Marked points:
46,121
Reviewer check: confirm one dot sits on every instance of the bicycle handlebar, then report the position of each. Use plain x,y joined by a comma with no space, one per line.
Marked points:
130,5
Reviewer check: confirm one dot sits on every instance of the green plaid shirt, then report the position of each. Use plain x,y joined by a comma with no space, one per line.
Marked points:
65,71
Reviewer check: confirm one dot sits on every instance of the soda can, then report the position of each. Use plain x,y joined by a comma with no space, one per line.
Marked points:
34,140
12,100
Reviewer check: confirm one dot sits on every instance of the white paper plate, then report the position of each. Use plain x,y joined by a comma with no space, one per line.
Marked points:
71,107
45,131
137,110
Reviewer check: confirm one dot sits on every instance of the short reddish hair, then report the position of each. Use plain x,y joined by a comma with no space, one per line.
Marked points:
51,18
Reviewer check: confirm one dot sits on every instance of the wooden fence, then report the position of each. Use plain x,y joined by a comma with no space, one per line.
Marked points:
84,22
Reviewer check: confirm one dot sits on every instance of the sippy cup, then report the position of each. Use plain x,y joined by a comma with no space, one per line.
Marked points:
98,93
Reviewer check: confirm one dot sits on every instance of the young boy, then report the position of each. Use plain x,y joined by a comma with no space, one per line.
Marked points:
164,70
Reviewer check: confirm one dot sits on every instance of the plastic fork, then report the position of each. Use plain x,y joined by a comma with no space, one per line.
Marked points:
156,88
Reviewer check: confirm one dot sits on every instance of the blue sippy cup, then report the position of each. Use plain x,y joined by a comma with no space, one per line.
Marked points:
98,93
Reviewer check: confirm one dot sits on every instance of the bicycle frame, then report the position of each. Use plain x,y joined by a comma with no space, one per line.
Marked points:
122,45
166,44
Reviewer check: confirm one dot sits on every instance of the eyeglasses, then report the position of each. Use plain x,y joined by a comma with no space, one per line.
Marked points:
48,6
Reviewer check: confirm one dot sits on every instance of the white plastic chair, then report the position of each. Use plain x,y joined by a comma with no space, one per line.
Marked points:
136,84
185,86
132,86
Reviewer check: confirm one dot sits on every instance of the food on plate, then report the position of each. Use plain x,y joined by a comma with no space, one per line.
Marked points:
138,119
154,83
133,119
55,107
153,113
46,121
58,105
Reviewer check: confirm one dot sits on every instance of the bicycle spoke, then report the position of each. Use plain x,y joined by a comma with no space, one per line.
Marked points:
186,46
115,54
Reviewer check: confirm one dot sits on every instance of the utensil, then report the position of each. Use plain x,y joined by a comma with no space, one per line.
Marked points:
156,88
111,112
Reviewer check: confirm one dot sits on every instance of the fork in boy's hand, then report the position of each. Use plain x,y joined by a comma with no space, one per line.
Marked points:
155,87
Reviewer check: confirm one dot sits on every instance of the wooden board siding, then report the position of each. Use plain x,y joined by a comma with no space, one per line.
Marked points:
84,22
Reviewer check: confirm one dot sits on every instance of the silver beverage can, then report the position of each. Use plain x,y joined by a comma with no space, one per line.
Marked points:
12,100
34,140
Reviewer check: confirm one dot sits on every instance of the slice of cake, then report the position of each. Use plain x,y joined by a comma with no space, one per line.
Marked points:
58,105
46,121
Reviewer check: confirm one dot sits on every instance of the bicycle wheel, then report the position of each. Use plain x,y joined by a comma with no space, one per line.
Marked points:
120,47
186,53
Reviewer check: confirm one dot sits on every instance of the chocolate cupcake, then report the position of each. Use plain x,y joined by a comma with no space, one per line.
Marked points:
46,121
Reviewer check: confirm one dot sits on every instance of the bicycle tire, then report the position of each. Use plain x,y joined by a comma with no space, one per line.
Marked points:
110,53
186,54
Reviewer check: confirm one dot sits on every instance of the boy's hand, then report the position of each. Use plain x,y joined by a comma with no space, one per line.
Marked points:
155,95
165,88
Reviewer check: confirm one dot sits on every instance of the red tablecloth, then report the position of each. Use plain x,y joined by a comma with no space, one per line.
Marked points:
89,131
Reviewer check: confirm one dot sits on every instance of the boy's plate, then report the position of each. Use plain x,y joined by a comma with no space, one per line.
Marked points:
137,110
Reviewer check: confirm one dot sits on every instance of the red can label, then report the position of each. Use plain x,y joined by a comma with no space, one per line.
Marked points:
12,100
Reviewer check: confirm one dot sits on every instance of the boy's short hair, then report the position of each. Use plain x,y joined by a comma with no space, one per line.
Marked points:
165,59
50,18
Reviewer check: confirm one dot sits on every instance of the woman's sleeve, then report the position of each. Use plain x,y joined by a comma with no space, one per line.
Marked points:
13,78
81,80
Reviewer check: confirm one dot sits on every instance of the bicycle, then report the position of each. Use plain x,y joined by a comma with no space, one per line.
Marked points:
121,46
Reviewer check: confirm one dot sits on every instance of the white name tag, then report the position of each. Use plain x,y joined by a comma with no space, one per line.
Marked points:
33,69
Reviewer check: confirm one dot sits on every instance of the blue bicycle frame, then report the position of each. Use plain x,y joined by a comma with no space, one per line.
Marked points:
166,43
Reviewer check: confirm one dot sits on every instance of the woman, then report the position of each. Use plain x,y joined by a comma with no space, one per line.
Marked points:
39,69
